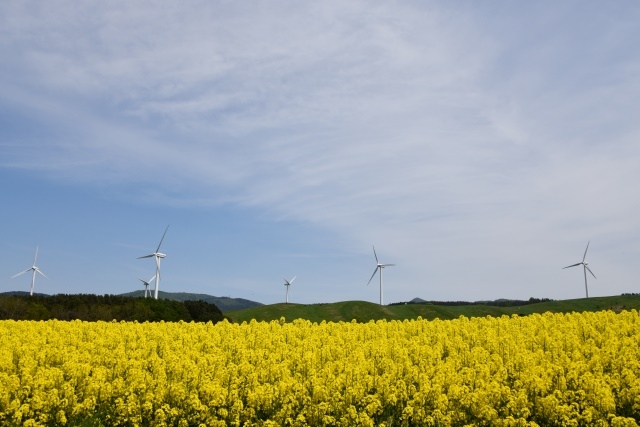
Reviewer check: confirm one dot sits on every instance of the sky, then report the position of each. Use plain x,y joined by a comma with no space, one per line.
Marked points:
478,145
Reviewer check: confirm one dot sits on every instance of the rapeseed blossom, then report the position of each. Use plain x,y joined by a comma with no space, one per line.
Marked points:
551,369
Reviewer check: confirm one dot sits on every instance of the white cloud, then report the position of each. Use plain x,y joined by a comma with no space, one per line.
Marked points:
481,131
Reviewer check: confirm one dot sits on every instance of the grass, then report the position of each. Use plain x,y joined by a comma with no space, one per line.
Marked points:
363,311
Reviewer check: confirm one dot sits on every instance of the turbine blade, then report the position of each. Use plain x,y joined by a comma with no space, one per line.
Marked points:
594,276
585,251
574,265
22,272
291,281
146,256
375,254
159,244
388,265
41,273
374,273
36,257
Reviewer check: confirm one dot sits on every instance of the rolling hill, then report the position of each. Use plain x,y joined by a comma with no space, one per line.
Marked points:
21,293
223,303
363,311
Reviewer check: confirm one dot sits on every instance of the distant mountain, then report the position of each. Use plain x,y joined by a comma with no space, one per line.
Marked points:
223,303
20,294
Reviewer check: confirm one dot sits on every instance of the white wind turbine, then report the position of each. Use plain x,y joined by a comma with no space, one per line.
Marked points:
288,283
379,266
585,266
35,270
158,256
146,285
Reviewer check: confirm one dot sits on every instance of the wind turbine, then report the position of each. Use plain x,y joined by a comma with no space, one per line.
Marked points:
379,266
146,285
585,266
288,283
158,256
35,270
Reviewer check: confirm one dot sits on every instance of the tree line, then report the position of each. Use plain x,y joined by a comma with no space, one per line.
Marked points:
91,307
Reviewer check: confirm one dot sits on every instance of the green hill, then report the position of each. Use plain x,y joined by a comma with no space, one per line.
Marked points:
363,311
223,303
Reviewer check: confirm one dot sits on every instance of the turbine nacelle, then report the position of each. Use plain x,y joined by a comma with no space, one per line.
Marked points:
156,254
147,283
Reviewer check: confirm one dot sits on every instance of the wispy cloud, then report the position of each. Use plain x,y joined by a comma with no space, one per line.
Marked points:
401,122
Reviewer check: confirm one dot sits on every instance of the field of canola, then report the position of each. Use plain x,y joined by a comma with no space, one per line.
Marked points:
547,370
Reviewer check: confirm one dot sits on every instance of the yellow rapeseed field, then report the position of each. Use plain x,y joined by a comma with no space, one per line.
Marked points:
546,370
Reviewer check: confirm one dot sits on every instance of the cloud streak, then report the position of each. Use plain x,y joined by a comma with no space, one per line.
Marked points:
441,131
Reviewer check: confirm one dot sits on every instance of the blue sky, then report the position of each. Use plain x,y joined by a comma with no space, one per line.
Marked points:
478,145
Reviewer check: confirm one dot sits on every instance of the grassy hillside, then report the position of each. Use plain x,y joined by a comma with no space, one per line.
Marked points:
364,311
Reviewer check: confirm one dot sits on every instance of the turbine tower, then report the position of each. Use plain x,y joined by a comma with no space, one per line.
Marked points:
379,266
146,285
35,270
288,283
585,266
158,256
